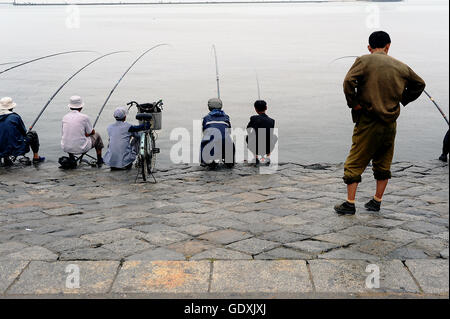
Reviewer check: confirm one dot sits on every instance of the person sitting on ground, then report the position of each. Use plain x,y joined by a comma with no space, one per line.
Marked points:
260,139
123,141
217,143
78,135
14,138
445,148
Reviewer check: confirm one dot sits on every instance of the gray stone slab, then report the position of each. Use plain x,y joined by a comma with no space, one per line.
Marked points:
196,229
444,253
157,254
283,253
253,246
347,254
376,247
112,235
225,236
349,276
337,238
221,254
282,236
89,253
9,271
52,277
292,220
128,246
400,235
260,276
312,246
67,244
32,253
11,247
432,275
404,253
163,277
165,237
424,227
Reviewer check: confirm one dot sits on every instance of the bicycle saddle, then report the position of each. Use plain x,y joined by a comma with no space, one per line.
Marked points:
144,116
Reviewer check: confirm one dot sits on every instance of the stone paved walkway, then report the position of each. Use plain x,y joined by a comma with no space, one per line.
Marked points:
222,233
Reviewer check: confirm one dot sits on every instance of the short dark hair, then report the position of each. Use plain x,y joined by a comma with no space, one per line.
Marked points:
260,105
379,39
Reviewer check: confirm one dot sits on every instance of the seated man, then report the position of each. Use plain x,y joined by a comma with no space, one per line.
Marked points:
122,149
14,138
261,140
216,143
78,135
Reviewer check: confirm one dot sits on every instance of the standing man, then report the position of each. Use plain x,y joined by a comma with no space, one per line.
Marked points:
374,87
78,135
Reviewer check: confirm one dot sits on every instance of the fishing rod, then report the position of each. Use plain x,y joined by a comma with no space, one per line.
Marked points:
424,91
437,106
43,57
217,71
67,81
123,75
257,84
6,63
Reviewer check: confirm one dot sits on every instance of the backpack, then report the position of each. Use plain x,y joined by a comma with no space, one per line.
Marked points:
67,163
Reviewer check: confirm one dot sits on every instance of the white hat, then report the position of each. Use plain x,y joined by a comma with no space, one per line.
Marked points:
120,113
76,102
7,103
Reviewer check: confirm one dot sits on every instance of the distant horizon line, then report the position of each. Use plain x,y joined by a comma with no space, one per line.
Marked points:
154,2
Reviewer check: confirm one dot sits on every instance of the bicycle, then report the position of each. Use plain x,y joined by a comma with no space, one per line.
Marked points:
146,159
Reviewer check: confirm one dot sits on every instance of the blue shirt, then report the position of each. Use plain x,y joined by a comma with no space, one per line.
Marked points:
120,151
13,140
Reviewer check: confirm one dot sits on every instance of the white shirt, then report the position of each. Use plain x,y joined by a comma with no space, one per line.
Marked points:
75,126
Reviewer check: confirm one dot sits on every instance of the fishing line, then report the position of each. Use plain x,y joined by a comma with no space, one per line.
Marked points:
41,58
67,81
123,75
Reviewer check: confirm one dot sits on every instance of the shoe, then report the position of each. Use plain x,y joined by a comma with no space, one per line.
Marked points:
345,208
7,162
373,205
38,160
100,162
443,158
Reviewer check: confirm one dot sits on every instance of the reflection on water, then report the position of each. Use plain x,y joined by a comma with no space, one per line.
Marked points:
290,46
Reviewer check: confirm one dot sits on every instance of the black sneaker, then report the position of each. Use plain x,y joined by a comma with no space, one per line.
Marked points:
345,208
100,162
373,205
443,158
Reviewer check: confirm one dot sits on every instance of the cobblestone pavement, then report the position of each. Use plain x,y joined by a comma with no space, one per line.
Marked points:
223,232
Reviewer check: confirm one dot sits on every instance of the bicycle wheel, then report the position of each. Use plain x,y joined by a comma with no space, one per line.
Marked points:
144,158
152,156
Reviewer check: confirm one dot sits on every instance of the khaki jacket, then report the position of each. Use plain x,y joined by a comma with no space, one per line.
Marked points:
379,83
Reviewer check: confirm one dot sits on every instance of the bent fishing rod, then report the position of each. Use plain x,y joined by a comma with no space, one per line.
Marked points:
6,63
43,57
424,91
217,71
123,75
67,81
257,84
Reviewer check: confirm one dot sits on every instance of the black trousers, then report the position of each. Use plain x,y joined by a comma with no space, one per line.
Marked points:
445,147
33,141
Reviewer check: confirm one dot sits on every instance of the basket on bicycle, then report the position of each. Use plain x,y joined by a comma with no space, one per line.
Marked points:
155,111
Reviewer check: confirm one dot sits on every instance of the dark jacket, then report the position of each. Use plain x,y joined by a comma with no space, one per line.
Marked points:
379,83
13,140
261,123
217,121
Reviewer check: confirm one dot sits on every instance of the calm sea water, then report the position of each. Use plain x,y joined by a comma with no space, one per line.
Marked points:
290,46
